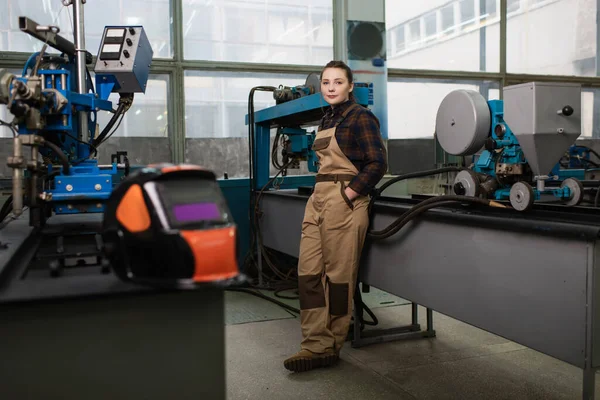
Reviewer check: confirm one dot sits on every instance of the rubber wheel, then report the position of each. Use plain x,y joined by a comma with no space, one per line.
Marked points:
521,196
576,191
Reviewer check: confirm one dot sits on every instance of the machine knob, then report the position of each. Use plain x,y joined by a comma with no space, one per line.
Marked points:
126,53
459,189
132,31
566,111
129,42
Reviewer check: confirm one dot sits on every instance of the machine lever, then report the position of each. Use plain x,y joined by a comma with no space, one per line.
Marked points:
566,111
49,36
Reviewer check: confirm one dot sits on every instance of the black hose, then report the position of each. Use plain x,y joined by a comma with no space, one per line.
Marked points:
411,175
425,205
120,110
63,157
265,297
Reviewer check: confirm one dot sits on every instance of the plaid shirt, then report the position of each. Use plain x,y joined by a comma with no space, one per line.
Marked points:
360,140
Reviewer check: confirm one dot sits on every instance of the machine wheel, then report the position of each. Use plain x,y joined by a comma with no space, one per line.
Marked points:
521,196
576,191
466,183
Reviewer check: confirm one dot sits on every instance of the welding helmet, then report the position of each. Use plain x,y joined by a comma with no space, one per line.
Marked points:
169,225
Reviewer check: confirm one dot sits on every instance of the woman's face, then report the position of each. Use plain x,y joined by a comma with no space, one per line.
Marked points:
335,87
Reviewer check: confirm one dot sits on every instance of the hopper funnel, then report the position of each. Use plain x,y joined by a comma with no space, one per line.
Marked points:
546,120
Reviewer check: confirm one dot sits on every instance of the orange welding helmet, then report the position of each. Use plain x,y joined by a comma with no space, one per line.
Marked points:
169,225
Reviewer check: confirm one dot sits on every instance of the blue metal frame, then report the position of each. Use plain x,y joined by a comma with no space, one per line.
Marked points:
277,116
86,180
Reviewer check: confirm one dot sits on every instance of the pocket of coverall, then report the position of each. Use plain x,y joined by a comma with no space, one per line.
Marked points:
346,199
321,143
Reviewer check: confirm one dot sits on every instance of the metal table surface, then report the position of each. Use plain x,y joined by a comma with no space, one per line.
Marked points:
86,334
531,277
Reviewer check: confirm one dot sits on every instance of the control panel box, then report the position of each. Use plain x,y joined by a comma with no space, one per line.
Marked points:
124,58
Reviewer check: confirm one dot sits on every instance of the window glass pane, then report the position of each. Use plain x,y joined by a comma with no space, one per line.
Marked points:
419,101
590,113
556,38
215,112
430,24
153,15
464,37
467,11
147,116
490,9
513,5
286,32
5,115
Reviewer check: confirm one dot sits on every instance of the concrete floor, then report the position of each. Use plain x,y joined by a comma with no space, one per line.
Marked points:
462,362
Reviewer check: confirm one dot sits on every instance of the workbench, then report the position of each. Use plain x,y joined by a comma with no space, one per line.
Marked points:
531,278
81,333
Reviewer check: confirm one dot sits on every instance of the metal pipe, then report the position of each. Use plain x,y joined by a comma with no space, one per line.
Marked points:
17,192
79,35
34,177
503,39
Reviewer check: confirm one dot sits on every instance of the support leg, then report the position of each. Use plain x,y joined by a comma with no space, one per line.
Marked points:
430,321
415,313
589,383
412,331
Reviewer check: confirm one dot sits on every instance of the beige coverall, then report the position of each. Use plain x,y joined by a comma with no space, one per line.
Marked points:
333,234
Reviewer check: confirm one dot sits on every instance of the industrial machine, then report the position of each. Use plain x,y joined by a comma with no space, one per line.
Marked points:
55,104
516,143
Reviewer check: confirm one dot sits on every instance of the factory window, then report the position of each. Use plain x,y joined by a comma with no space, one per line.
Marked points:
399,39
154,15
438,38
419,101
414,31
447,17
216,104
5,115
288,32
491,9
513,5
552,40
430,21
148,115
467,12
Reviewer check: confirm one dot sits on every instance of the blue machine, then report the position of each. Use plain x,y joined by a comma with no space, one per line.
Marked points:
292,117
467,124
56,104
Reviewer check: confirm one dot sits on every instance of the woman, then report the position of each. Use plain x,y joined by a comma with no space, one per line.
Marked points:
352,160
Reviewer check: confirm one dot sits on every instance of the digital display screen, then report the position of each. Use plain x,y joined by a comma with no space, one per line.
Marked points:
196,212
115,33
111,48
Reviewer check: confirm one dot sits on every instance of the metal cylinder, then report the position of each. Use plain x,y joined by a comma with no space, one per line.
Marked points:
63,81
79,33
541,185
17,191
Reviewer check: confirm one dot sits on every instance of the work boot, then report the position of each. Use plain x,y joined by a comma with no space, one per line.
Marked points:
306,360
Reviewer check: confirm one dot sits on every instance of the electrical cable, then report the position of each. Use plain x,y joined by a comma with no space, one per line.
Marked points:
10,126
251,167
63,157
